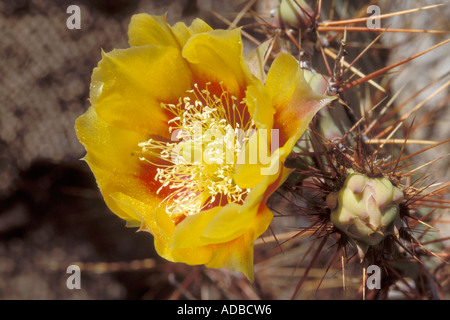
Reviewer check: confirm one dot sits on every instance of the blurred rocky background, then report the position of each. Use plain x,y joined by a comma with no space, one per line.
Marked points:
51,213
424,76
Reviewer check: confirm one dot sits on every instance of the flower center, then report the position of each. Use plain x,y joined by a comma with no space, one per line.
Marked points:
208,134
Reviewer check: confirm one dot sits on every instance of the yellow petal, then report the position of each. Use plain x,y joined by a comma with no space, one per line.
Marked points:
236,255
111,185
162,228
189,232
199,26
145,29
113,156
111,148
128,86
183,33
254,160
294,100
193,256
216,56
228,224
122,203
161,223
258,195
296,104
260,107
318,82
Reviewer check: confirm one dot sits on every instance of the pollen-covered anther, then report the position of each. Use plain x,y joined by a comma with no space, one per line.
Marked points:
208,134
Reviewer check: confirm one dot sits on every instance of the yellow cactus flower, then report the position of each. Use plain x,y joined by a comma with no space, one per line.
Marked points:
185,142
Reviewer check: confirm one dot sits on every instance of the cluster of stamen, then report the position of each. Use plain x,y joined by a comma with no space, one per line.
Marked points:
208,134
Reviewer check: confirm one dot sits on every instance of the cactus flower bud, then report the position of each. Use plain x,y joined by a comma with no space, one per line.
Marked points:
292,13
365,209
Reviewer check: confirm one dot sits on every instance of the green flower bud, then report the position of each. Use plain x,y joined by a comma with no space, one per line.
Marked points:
294,16
366,209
